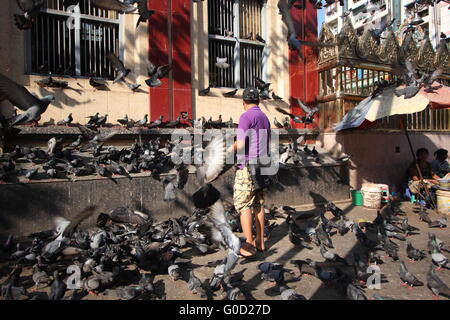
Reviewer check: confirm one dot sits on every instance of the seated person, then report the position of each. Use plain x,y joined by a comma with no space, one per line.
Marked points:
440,165
429,177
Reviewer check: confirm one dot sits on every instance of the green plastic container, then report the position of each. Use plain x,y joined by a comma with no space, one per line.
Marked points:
357,198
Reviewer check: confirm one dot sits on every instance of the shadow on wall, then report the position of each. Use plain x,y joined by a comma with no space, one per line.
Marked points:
28,203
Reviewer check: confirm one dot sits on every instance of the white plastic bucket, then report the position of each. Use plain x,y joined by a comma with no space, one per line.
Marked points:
443,201
371,196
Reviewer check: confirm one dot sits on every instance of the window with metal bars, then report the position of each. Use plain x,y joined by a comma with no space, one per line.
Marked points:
234,27
74,42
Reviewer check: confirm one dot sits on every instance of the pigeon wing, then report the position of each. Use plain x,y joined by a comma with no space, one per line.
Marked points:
304,107
87,133
113,5
118,65
83,215
281,110
214,160
16,94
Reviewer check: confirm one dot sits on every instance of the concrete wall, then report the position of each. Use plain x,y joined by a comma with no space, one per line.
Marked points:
84,100
374,153
26,208
277,68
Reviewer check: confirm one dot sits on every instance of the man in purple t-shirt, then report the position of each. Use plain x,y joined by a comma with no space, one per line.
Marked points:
252,143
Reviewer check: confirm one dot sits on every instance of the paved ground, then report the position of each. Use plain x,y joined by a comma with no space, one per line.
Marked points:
280,250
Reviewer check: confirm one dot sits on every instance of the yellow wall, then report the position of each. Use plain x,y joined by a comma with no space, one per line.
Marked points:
83,101
120,100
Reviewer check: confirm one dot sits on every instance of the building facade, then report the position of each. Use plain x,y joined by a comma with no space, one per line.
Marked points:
71,44
435,18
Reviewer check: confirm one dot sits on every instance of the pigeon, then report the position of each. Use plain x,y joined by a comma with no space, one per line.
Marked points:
66,121
123,121
439,259
439,223
204,92
336,211
230,93
144,12
433,240
31,9
195,285
213,164
169,188
293,117
98,85
235,294
95,138
157,123
221,63
277,124
413,253
133,86
52,83
423,215
101,120
157,73
174,272
76,143
58,287
381,27
408,278
289,294
21,98
119,67
142,122
116,5
259,38
406,227
436,285
93,119
275,97
413,83
355,292
309,112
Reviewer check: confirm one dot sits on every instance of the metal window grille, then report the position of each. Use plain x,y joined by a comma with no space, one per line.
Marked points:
74,43
247,57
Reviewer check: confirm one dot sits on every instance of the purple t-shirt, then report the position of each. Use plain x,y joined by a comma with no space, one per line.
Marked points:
254,129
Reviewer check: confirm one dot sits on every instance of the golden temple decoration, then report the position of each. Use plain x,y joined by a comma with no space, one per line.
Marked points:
388,52
327,53
368,47
442,57
425,58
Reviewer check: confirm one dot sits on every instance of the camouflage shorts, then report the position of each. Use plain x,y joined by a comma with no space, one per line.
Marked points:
243,195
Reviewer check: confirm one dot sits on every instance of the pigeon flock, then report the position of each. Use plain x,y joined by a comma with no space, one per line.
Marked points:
121,255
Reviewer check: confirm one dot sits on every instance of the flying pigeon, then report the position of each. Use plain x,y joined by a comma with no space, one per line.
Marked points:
31,9
156,74
144,12
221,63
119,67
21,98
115,5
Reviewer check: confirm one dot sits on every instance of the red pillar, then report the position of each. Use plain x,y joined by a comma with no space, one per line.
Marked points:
303,75
169,34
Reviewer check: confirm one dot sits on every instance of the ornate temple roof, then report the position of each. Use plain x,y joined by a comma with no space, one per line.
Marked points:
352,48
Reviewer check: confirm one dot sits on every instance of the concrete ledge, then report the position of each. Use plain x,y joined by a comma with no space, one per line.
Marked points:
26,208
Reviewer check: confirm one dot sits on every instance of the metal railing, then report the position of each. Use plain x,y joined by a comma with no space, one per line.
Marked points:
230,22
74,43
